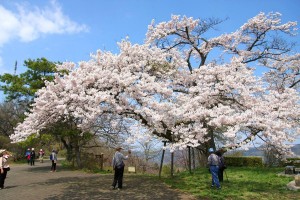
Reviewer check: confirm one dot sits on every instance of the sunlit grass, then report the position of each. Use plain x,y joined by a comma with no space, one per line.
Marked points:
240,183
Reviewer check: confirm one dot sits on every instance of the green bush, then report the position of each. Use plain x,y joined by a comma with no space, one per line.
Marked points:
166,170
244,161
293,161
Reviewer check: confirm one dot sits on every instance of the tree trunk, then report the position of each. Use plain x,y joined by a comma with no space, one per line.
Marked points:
69,149
78,157
212,139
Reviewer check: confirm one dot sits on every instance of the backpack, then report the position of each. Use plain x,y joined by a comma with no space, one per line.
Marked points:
51,156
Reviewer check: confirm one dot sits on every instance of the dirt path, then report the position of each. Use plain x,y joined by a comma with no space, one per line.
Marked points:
37,182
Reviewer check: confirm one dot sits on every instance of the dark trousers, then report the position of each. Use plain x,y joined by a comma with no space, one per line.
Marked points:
53,166
220,174
32,161
3,177
118,177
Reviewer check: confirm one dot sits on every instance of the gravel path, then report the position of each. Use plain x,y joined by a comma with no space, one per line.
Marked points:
37,182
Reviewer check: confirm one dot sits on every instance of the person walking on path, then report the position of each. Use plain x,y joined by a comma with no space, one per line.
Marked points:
53,158
41,155
118,166
213,163
222,165
32,157
4,167
27,155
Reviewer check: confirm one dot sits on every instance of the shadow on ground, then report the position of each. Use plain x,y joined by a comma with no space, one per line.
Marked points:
99,188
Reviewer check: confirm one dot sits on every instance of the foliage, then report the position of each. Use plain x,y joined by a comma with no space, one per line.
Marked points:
250,161
170,87
240,183
11,113
166,170
293,162
5,143
38,141
25,85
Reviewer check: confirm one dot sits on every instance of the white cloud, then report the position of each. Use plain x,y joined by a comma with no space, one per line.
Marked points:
31,22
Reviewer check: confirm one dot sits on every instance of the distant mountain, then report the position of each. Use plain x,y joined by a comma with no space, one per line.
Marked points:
256,152
296,149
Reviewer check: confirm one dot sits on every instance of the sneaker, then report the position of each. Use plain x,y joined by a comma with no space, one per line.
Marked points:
112,187
218,188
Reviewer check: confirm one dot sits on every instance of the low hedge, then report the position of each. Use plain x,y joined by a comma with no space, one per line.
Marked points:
251,161
293,162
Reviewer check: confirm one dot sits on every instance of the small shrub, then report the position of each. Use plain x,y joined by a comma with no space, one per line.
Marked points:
244,161
166,170
293,161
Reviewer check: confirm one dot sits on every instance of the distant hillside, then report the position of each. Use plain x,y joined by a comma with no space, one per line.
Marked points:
296,149
256,152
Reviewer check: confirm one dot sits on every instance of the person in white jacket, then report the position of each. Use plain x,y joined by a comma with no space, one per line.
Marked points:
4,167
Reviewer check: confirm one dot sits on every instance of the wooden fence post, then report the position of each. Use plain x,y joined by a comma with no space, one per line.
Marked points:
162,159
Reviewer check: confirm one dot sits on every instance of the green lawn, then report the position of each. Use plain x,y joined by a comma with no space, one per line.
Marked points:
242,183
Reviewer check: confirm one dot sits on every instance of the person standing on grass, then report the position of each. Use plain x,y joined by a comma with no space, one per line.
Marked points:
53,158
222,165
213,163
118,166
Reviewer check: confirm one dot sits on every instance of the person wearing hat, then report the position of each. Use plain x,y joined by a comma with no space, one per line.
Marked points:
32,157
213,162
4,167
41,155
118,166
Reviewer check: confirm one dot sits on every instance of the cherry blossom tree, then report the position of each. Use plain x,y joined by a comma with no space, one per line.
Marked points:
183,86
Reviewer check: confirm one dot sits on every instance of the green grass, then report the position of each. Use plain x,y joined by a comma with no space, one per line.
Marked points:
242,184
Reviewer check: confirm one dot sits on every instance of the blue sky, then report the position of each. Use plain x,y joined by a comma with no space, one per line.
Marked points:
69,30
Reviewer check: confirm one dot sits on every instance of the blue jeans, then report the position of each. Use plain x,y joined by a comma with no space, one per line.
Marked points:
214,170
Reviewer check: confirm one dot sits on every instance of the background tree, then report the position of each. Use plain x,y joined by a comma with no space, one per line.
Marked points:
23,86
148,149
11,113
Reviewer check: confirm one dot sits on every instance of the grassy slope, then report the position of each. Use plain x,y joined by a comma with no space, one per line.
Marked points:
242,183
